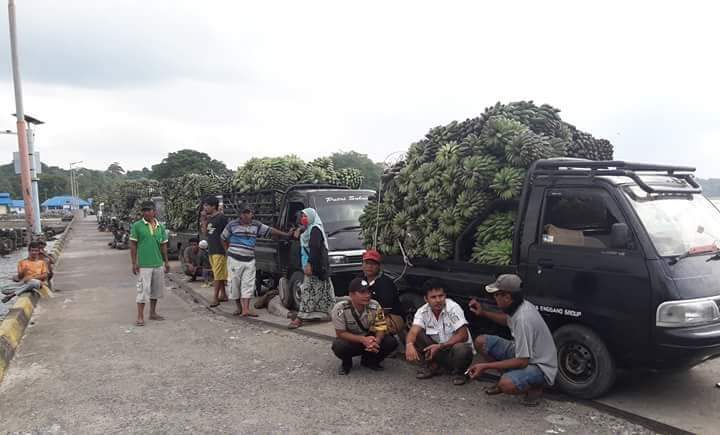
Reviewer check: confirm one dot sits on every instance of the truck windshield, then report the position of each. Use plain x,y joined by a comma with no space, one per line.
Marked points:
341,212
676,223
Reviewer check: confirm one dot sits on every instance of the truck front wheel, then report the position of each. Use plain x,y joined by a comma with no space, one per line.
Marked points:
585,367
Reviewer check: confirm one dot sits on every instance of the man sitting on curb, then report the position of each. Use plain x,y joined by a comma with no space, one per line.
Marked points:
530,361
439,336
32,272
191,260
360,329
384,290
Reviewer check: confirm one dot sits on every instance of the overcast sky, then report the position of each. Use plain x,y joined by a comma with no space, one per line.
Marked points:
130,81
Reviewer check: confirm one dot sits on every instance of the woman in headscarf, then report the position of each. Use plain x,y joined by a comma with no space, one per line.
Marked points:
317,295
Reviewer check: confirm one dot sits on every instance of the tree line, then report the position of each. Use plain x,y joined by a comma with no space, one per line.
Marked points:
55,181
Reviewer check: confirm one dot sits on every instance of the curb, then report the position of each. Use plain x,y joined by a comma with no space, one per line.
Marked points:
13,326
191,295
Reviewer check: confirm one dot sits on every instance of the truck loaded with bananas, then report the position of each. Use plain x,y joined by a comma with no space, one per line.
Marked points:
620,258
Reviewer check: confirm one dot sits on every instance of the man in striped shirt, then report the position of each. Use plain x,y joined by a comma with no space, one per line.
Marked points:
239,238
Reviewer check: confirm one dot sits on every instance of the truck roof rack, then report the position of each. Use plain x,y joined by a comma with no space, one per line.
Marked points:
591,168
315,186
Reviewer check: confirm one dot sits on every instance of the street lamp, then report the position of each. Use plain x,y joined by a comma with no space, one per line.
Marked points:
73,187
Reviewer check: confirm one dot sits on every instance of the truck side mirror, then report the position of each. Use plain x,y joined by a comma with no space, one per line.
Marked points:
619,236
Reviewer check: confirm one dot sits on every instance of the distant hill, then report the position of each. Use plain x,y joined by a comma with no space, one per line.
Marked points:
711,187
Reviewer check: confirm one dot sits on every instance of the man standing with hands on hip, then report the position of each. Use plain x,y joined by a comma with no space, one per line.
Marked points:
148,253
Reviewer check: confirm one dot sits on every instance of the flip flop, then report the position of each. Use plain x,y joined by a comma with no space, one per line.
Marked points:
530,401
493,391
216,304
252,315
139,323
294,325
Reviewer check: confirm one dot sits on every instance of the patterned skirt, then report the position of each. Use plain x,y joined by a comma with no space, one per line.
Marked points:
317,298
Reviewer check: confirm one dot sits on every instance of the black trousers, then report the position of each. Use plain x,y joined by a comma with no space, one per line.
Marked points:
346,350
455,360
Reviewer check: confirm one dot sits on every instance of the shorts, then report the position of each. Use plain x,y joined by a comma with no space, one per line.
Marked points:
241,282
218,264
150,284
501,349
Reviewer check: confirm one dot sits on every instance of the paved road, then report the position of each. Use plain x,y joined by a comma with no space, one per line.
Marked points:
84,368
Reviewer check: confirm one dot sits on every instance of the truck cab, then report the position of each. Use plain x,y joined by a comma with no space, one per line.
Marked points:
278,261
621,259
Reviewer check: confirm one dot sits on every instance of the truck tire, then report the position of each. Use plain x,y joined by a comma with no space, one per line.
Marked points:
585,367
410,302
290,293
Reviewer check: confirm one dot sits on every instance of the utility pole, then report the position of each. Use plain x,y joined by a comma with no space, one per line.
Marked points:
34,168
25,179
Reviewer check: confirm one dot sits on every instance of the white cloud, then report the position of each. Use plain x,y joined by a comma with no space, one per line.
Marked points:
131,81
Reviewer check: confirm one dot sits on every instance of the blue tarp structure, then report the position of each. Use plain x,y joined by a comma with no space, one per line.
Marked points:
61,202
5,199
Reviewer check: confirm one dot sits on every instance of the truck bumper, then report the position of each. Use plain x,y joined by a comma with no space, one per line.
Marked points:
686,347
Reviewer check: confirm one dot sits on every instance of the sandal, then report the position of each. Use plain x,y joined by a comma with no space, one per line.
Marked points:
215,304
426,373
139,323
460,380
493,391
531,401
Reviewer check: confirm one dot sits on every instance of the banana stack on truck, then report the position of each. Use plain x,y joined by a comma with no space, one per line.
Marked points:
278,261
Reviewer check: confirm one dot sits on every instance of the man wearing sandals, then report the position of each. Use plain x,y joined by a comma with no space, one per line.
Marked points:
148,253
239,238
529,362
439,336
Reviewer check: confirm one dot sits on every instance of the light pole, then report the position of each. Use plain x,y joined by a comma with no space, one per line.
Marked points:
73,186
25,179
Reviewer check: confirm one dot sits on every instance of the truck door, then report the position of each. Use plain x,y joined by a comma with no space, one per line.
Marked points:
576,275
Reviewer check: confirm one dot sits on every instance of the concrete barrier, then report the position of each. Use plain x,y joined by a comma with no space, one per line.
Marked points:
13,326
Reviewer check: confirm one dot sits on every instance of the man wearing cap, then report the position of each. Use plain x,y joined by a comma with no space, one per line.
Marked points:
148,253
529,361
360,329
384,290
239,238
439,336
212,223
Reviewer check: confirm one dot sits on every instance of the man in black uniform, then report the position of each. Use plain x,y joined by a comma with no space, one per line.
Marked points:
360,329
384,290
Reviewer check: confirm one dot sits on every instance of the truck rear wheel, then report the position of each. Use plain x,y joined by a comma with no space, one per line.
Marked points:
410,302
585,367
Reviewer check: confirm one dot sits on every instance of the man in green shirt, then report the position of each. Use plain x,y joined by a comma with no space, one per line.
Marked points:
148,252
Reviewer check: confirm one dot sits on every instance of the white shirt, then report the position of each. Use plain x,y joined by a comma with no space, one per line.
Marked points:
441,329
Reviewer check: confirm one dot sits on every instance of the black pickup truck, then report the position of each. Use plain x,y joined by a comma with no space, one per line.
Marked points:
278,261
621,259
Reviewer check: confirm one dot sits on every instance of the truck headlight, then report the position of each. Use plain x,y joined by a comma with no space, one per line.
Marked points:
687,313
336,259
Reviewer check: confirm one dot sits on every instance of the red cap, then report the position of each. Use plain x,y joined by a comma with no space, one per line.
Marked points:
372,255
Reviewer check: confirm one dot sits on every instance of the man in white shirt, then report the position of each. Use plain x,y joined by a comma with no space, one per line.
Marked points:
439,336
